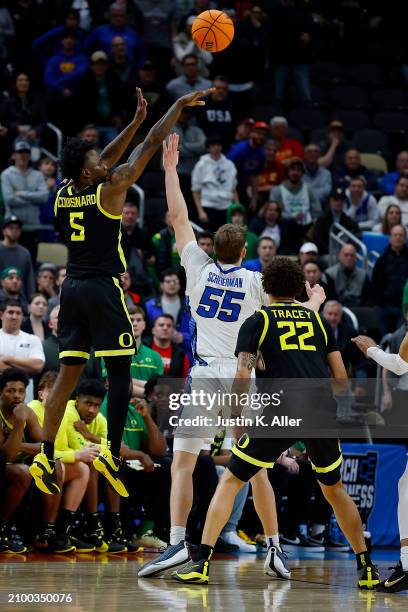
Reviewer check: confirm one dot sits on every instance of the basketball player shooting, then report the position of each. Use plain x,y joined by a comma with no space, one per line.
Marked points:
93,313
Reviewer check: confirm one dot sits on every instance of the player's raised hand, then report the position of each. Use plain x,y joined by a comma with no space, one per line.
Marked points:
170,152
193,99
141,110
364,343
316,291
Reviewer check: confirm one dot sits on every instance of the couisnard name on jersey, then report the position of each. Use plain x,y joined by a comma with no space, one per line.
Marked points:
225,281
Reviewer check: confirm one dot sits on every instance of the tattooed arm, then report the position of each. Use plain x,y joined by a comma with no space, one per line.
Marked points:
114,190
115,149
242,381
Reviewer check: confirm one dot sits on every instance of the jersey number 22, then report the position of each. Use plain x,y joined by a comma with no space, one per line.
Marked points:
219,303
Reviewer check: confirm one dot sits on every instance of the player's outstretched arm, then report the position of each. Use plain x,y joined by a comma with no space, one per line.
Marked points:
175,199
394,362
115,149
123,177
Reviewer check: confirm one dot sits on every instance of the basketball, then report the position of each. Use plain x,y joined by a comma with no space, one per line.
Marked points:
212,31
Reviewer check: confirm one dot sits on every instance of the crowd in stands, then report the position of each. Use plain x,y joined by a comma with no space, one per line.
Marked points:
278,149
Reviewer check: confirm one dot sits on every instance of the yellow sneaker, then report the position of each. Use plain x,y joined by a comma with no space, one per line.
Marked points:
112,468
43,472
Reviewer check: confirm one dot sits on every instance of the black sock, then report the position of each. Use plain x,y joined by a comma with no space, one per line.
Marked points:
205,552
118,369
66,518
363,559
48,449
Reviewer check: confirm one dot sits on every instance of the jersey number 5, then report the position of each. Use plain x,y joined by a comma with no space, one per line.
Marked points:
218,302
298,342
79,234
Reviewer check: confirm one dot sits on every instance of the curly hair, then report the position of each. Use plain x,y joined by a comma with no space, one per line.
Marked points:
13,375
283,278
72,158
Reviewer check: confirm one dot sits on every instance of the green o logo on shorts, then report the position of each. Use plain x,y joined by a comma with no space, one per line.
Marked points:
126,340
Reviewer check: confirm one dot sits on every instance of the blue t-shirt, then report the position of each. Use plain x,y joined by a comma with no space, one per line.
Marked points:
247,160
253,264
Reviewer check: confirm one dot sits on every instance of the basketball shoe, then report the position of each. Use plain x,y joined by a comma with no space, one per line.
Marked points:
7,545
43,472
276,563
397,582
94,533
174,555
113,469
368,577
195,572
48,541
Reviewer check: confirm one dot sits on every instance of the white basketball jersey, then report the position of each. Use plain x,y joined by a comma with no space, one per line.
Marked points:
221,298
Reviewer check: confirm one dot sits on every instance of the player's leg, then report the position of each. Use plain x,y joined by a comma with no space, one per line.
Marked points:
326,459
16,481
186,451
265,506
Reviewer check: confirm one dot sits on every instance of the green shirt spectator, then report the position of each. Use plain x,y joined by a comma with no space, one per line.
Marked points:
237,215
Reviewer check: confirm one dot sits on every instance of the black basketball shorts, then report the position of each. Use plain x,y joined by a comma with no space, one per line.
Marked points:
93,313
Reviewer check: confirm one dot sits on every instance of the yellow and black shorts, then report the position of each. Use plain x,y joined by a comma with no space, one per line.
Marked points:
93,313
249,455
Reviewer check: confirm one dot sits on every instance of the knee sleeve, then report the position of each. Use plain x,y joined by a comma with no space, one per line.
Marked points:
118,366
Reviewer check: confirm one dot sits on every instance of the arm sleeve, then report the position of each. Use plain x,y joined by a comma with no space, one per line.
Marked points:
250,334
193,259
390,361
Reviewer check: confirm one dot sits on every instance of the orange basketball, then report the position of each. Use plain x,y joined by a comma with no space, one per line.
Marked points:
212,31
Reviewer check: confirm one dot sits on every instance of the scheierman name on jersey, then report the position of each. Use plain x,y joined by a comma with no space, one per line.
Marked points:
225,281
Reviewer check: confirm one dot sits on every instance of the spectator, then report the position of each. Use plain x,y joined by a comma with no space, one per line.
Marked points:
392,217
131,298
269,224
313,273
12,287
183,45
89,133
30,19
353,168
361,206
237,215
175,361
46,280
61,274
155,93
308,252
22,113
34,324
334,146
290,27
343,333
100,39
17,348
7,33
63,74
13,254
146,363
50,41
165,244
100,95
388,182
249,158
205,241
400,199
320,232
243,131
317,177
266,252
213,185
254,31
273,172
139,250
350,283
288,147
189,81
48,168
298,201
171,302
123,68
24,191
51,351
217,118
388,280
159,25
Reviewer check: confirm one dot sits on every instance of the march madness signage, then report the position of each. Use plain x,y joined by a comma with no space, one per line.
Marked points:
359,474
370,474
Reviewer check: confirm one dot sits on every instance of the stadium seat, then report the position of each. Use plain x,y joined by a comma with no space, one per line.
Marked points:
390,100
296,134
152,183
307,118
374,162
352,119
52,252
375,242
320,97
367,321
366,75
350,98
328,73
370,141
391,122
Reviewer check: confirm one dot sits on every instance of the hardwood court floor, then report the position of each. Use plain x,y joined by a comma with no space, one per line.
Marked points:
98,583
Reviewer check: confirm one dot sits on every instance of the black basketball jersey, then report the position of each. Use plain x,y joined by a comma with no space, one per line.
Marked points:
293,341
92,235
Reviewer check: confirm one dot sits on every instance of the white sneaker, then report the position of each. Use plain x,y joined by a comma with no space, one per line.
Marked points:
231,537
276,563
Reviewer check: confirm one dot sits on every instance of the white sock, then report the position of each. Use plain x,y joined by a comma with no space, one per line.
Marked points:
273,540
404,558
177,534
317,529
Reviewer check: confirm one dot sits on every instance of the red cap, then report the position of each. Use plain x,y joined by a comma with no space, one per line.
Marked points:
260,125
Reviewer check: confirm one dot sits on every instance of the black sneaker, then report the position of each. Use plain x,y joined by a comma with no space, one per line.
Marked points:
80,545
195,572
397,582
221,546
49,542
115,533
113,469
8,545
368,577
174,555
95,535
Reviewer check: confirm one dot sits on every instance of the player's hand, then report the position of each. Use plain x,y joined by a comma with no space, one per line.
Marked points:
290,465
193,99
141,110
21,413
170,152
147,462
82,428
87,454
315,291
202,216
364,343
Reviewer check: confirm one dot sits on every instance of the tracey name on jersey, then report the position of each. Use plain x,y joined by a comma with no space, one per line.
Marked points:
257,421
